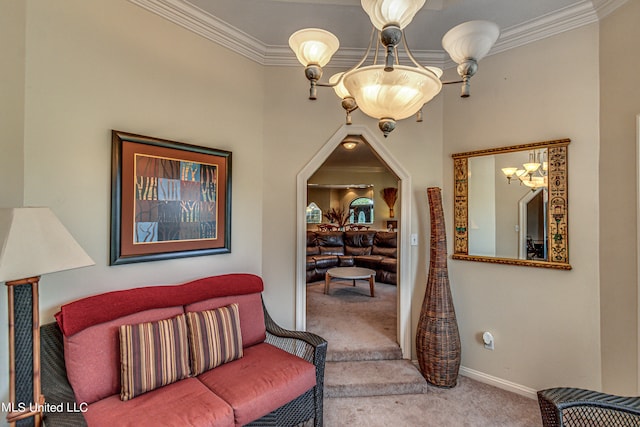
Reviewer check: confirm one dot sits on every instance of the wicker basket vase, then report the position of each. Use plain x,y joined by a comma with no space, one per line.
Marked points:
437,337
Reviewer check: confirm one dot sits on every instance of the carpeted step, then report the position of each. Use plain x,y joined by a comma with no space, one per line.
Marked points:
372,378
384,352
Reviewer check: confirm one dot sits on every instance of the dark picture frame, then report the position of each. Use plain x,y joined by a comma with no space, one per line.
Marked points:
168,199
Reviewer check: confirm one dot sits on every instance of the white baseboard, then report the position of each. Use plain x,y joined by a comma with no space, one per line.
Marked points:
495,381
499,382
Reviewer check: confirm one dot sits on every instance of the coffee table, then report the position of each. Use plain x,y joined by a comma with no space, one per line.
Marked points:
350,273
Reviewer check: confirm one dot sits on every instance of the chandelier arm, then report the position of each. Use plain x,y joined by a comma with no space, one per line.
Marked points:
364,58
413,59
375,52
450,82
366,54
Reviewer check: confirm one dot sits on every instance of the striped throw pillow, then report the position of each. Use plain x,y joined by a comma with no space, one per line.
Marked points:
152,355
214,337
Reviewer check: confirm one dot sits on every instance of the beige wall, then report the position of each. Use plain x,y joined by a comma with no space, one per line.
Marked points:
12,51
545,322
101,65
620,104
95,66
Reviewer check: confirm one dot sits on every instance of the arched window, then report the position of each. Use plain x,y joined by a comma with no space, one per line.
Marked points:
361,211
314,214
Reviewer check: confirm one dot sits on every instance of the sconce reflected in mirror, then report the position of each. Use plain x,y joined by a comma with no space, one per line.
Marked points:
511,205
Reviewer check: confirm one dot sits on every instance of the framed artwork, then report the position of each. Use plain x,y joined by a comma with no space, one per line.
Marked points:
168,199
392,225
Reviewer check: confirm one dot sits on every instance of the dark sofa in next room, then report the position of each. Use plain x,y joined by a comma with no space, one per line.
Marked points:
377,250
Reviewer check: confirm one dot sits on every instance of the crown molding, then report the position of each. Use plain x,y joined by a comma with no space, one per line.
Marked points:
605,7
192,18
566,19
198,21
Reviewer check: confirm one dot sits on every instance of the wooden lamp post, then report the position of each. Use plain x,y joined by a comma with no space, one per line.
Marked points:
32,242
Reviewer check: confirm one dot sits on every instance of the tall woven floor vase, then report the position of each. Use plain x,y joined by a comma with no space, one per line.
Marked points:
437,337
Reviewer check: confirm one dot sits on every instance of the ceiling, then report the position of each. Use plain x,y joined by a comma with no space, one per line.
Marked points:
273,21
260,30
361,158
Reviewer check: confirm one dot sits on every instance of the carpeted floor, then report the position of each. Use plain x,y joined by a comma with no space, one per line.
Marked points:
359,327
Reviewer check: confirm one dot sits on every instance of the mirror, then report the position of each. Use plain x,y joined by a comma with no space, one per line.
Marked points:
511,205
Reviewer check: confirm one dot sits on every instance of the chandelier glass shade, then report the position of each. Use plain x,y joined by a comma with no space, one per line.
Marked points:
391,12
391,91
533,174
473,40
391,96
314,46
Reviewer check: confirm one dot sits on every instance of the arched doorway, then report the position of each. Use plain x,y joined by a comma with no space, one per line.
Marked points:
404,187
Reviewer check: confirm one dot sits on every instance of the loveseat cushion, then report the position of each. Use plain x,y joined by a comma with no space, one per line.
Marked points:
369,261
250,311
356,250
185,403
330,239
214,337
92,356
312,247
262,381
326,261
389,264
385,243
152,355
331,250
386,252
359,238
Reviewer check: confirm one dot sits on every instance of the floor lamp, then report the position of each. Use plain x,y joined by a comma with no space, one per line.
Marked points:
33,242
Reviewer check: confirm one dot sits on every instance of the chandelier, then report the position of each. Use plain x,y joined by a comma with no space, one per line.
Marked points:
390,92
533,174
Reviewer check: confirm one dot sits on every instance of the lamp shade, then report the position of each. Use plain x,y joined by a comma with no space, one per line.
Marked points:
470,40
34,242
395,95
509,172
313,46
386,12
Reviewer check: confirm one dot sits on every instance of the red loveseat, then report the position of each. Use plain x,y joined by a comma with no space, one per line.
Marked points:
276,380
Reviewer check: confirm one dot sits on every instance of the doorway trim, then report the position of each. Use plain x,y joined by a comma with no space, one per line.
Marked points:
405,286
638,245
522,222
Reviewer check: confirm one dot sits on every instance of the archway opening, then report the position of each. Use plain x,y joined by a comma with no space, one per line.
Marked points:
403,184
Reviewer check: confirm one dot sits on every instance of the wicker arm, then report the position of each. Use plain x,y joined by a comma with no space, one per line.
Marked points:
310,347
55,386
578,407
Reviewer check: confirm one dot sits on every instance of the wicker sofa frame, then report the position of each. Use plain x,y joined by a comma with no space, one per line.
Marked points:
302,410
570,407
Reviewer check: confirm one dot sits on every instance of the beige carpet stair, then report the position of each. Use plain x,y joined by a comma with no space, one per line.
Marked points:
368,384
388,352
372,378
363,356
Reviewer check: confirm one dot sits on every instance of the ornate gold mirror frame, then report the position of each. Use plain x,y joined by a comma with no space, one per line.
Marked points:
557,206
